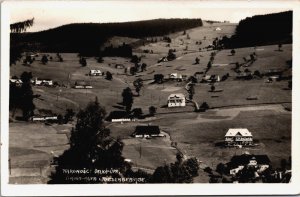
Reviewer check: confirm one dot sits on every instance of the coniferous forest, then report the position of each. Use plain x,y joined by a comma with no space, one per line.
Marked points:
87,38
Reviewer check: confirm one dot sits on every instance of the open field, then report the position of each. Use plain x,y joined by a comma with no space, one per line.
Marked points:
196,134
32,147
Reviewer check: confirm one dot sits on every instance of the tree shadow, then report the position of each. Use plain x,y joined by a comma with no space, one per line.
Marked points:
286,89
20,118
220,144
164,106
118,107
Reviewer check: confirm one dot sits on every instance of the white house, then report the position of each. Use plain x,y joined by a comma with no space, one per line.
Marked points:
175,76
176,100
218,29
95,73
238,136
178,77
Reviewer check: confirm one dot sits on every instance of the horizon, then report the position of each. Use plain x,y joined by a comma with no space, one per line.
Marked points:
49,15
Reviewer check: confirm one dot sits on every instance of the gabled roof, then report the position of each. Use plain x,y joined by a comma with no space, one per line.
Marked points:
179,95
146,130
117,115
238,131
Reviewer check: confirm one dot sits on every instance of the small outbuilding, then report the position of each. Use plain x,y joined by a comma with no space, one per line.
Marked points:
82,85
176,76
95,73
176,100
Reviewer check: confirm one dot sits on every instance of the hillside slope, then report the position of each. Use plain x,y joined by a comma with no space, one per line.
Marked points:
90,36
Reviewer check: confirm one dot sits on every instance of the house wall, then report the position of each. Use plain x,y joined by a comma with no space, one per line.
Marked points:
240,140
178,102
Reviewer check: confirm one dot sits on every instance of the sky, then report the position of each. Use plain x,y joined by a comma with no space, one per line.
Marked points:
50,14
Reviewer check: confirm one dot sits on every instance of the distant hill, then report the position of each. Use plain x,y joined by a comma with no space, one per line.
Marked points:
88,37
263,30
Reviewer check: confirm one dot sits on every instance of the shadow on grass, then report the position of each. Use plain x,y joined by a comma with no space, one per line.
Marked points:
118,107
220,144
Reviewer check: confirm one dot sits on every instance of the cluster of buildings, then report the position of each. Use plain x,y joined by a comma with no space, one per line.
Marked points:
258,162
36,81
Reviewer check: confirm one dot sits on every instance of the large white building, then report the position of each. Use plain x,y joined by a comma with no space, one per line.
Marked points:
238,137
176,100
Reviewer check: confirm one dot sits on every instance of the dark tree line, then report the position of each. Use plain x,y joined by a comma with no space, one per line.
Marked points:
262,30
124,50
87,38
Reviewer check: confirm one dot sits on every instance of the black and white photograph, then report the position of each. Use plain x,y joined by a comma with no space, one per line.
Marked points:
149,93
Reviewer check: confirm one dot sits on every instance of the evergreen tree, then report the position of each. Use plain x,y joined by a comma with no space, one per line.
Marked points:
191,91
152,110
138,84
212,88
44,59
16,48
158,78
232,52
127,99
108,76
26,96
91,148
143,67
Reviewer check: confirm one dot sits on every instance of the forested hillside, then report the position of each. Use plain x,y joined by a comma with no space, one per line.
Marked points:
80,37
263,30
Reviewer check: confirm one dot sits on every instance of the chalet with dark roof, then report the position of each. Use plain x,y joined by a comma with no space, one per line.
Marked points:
147,131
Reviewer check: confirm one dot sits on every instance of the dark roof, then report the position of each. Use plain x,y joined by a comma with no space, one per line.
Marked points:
245,158
117,115
146,130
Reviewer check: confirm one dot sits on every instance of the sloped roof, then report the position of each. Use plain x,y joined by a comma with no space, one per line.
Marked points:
117,115
146,130
179,95
238,131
